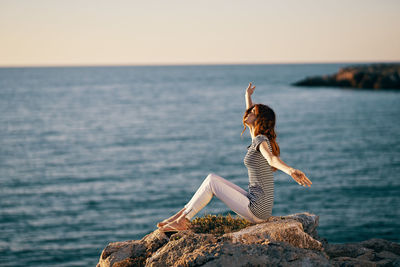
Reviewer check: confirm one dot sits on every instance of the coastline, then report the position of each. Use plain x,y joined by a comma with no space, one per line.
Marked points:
290,240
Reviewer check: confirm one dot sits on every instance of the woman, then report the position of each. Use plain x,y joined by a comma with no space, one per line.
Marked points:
261,160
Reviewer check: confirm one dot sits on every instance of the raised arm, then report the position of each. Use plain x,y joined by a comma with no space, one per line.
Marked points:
249,92
276,162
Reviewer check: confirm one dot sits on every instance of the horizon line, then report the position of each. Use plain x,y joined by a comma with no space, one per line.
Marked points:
196,64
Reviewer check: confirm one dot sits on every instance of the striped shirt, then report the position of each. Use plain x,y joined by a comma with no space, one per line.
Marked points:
261,179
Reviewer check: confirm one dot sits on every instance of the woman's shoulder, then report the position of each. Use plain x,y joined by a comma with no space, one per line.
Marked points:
259,138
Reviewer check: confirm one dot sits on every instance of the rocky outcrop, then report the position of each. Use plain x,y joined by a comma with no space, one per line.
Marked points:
281,241
373,76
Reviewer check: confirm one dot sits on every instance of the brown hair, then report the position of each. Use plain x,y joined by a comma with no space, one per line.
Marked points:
264,124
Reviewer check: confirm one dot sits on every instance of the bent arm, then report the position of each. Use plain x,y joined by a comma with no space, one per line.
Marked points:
249,92
249,103
275,161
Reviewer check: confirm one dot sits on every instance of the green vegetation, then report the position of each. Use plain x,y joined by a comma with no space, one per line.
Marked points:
218,224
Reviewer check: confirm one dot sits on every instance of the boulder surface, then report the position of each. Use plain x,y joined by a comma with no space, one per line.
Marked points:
279,241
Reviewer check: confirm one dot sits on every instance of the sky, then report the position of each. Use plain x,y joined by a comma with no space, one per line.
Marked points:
130,32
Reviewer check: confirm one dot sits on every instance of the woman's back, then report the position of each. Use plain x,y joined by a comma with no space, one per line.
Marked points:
261,179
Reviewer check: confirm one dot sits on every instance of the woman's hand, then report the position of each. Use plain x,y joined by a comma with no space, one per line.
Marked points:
250,89
300,177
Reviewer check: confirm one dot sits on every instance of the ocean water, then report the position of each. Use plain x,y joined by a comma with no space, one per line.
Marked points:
92,155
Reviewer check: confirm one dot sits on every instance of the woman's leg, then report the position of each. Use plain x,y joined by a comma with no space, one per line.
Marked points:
232,195
176,215
238,188
170,219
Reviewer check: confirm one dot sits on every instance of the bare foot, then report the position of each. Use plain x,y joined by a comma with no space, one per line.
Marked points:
170,219
178,225
161,224
165,222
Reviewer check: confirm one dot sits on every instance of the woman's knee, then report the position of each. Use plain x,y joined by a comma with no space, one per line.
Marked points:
212,177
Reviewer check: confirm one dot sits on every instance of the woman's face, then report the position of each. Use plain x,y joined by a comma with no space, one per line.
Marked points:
251,117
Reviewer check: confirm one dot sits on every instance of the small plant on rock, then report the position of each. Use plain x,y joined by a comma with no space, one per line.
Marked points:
218,224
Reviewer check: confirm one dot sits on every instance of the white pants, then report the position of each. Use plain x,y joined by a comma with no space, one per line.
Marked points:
232,195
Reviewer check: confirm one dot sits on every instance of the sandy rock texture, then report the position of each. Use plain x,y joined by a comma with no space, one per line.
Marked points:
280,241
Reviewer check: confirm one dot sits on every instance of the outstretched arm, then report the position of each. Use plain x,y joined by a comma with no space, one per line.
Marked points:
249,92
276,162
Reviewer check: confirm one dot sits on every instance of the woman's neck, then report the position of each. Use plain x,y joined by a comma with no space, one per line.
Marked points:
252,132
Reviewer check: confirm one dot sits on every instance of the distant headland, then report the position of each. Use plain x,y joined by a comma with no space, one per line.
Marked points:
370,76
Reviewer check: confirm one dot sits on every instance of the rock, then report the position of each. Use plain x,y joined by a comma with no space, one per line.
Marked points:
379,245
371,252
280,241
372,76
287,230
235,254
132,253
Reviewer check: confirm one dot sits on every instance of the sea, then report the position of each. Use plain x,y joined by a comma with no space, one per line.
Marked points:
99,154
